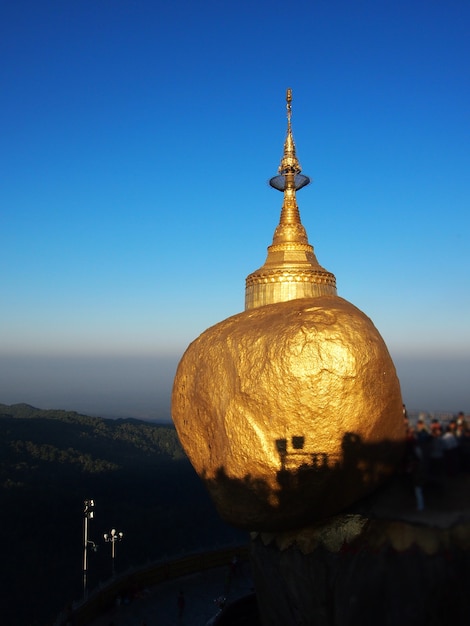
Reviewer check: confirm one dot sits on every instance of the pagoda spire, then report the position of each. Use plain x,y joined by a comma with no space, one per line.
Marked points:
291,269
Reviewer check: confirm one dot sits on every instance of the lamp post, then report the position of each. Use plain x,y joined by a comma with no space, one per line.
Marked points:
113,538
88,513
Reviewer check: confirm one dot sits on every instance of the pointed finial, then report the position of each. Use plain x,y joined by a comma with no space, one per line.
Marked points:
289,106
289,169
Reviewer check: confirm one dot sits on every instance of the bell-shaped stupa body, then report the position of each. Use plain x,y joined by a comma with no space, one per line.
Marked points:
291,269
291,410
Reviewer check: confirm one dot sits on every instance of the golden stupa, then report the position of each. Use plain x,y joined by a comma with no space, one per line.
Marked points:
291,269
291,410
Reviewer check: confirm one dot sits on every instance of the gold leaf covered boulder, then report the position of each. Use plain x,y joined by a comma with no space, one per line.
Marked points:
290,411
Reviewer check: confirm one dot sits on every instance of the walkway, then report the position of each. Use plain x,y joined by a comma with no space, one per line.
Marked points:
159,606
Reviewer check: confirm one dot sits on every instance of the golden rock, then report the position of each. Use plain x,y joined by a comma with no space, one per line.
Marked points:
289,412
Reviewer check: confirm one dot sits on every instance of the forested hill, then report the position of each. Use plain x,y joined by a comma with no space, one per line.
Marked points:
29,436
142,484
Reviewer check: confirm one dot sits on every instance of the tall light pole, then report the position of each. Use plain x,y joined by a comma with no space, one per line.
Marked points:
88,513
113,538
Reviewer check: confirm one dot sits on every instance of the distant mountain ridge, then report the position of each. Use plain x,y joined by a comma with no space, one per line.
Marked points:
69,430
24,410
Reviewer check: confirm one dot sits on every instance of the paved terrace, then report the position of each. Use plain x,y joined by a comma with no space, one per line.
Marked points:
152,596
159,606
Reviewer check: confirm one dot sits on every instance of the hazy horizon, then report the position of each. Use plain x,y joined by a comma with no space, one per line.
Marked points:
140,386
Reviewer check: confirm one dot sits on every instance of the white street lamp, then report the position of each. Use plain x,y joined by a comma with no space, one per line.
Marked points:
113,538
88,513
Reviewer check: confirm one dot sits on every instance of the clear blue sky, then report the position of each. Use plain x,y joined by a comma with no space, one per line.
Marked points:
136,139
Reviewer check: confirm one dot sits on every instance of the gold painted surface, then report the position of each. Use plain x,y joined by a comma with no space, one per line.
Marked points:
332,534
289,412
290,257
341,531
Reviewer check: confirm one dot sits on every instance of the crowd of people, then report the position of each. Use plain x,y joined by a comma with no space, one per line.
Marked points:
436,450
